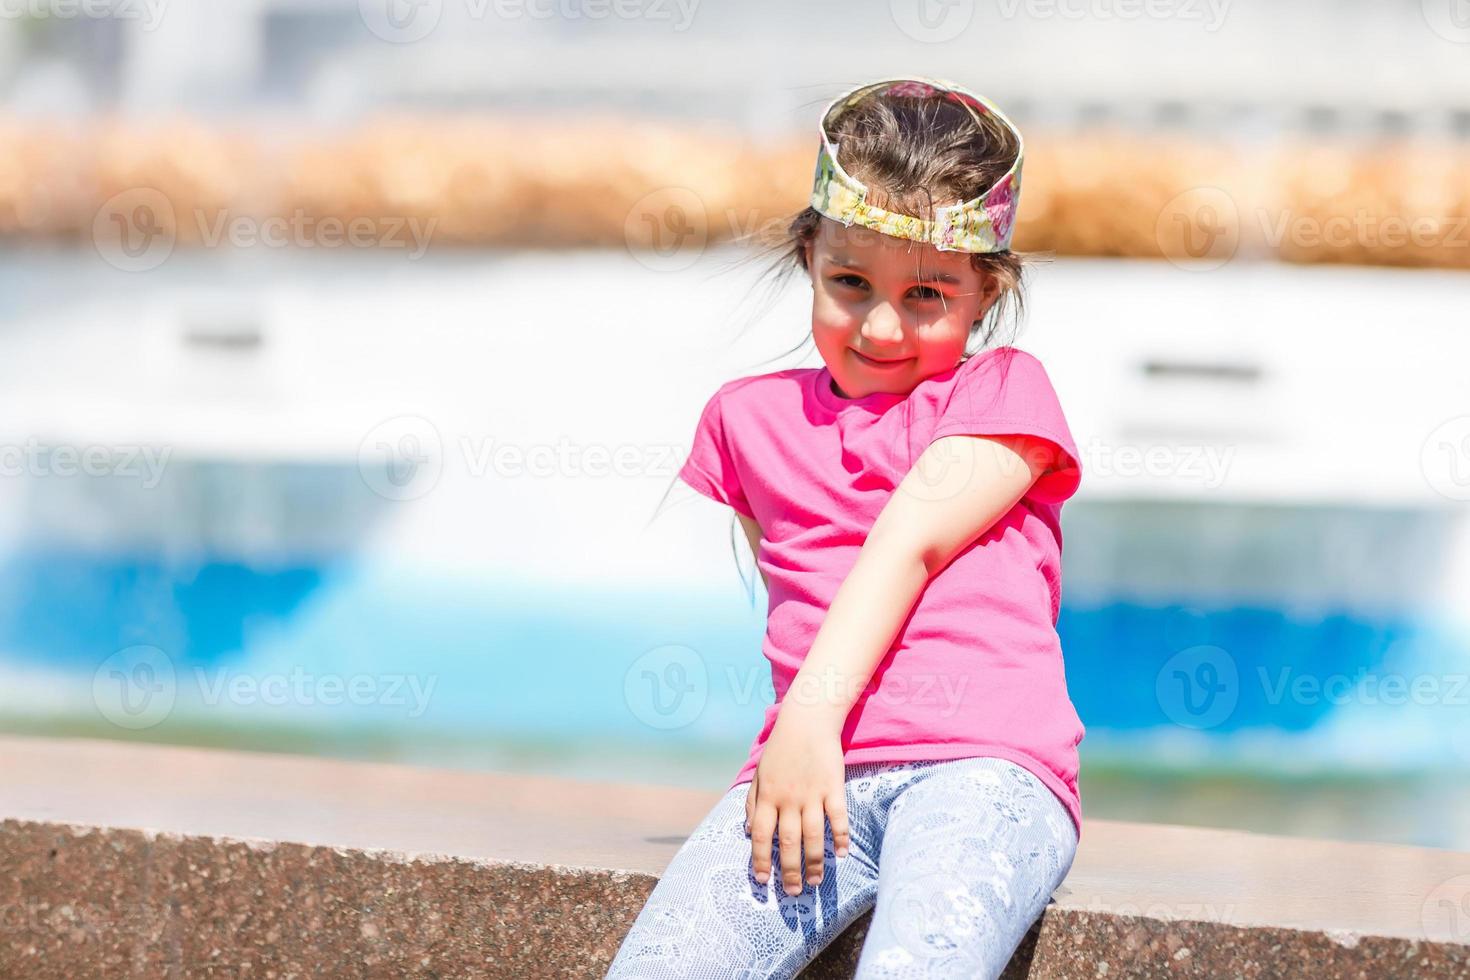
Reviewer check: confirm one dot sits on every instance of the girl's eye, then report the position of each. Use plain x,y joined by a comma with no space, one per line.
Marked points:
848,279
927,292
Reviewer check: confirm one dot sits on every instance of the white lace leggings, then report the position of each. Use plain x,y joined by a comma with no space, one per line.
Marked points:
959,856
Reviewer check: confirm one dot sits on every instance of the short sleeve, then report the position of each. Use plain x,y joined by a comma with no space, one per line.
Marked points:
1007,392
710,468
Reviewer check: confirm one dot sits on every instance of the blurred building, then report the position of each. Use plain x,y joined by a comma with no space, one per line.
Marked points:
1255,67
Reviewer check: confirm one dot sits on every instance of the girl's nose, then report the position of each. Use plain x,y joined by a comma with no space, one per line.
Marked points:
883,325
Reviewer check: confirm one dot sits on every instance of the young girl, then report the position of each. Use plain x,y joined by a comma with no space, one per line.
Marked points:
903,502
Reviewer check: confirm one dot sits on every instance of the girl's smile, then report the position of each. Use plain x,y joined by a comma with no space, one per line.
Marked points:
886,364
888,313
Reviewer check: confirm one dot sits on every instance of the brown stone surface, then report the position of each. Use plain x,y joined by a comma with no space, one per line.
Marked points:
128,860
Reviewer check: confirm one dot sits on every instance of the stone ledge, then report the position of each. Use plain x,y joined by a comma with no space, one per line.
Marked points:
121,859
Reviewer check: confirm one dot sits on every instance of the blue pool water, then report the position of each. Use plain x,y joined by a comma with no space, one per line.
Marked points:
501,659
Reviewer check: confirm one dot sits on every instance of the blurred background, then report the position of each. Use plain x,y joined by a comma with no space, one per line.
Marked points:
348,351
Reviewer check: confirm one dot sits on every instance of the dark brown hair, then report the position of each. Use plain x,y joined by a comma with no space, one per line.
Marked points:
914,154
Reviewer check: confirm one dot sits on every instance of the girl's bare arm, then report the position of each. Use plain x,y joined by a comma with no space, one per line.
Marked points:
753,534
958,488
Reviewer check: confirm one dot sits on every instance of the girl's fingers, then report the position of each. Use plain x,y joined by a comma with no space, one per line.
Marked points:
789,834
749,805
837,815
762,827
813,825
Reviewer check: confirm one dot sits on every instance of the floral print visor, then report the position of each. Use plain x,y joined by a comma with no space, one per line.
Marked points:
983,224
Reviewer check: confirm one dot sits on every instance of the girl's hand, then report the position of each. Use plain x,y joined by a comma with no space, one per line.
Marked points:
799,783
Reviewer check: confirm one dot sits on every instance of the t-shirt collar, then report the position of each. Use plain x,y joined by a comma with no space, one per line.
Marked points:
878,401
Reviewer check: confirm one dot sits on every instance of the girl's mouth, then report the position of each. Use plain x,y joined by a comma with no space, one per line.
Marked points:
869,362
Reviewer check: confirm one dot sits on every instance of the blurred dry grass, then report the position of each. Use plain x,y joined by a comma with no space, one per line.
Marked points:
509,182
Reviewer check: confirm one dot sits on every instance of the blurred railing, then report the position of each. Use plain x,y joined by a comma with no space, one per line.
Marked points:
524,183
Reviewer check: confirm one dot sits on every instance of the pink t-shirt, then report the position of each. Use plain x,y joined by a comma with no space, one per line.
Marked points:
977,667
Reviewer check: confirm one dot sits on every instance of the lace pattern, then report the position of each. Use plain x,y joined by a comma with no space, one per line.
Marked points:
957,858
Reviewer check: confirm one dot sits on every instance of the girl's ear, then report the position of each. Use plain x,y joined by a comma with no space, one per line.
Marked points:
990,292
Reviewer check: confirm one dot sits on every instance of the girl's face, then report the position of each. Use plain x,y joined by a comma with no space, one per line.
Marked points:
888,312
